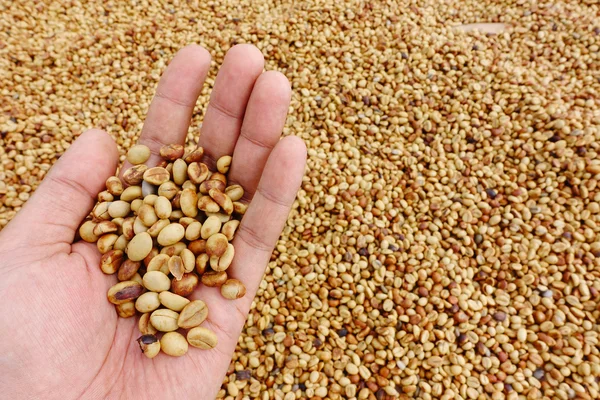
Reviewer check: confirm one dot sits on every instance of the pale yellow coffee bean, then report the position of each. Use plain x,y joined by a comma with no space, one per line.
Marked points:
210,184
156,175
121,243
131,193
147,302
127,227
105,196
147,215
235,192
156,281
86,231
221,216
150,199
176,215
188,259
171,234
168,190
106,242
172,301
186,221
145,326
138,154
174,250
229,229
162,207
189,203
138,226
233,289
124,291
174,344
239,208
214,278
223,164
150,345
179,171
192,232
136,204
189,185
114,186
137,278
119,208
193,314
159,263
140,246
164,320
158,226
202,338
211,226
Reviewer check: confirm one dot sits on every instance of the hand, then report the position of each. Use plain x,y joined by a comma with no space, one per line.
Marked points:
61,338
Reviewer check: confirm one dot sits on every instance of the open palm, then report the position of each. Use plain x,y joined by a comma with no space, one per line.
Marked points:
61,338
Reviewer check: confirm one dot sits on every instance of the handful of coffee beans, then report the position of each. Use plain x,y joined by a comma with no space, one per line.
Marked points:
164,230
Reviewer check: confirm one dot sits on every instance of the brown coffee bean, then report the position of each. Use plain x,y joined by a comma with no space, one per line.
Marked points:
233,289
185,286
171,152
222,200
229,229
176,267
214,278
145,326
128,269
197,172
134,175
216,245
239,208
111,261
156,175
211,184
197,246
225,260
157,227
194,156
201,263
207,204
114,186
173,250
150,345
106,242
125,291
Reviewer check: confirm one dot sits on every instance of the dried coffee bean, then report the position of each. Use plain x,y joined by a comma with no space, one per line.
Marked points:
211,184
216,245
103,227
174,344
145,326
185,286
173,250
150,199
119,208
197,172
211,226
128,269
207,204
197,246
225,260
214,278
111,261
164,320
100,211
223,164
121,243
131,193
159,263
125,310
156,281
106,242
176,267
179,172
235,192
125,291
138,154
168,190
233,289
171,234
239,208
150,345
156,175
188,202
202,338
222,200
201,263
114,186
139,247
229,229
134,175
157,227
147,215
193,314
105,196
171,152
192,232
86,231
147,302
188,259
194,156
162,207
172,301
138,226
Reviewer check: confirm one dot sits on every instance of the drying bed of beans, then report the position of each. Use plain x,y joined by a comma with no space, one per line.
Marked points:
445,240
